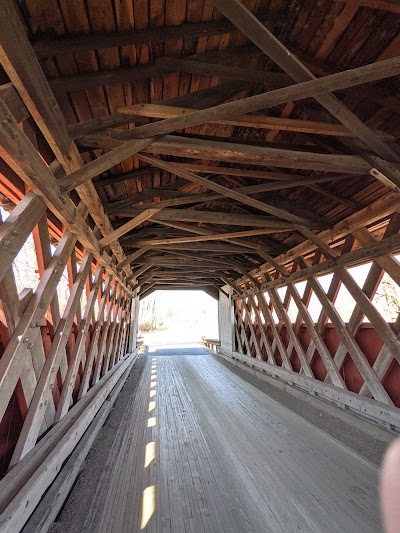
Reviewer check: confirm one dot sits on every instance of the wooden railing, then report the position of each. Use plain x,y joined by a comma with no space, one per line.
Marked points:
377,412
211,344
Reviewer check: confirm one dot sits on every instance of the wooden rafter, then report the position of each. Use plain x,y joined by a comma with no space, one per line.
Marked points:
200,238
49,48
128,226
212,217
247,121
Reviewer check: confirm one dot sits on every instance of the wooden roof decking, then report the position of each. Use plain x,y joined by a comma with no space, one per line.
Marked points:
108,62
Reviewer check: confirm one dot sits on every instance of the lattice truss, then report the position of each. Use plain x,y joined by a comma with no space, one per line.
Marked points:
352,355
50,358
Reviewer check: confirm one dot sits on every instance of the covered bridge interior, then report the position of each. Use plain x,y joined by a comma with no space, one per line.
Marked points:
247,149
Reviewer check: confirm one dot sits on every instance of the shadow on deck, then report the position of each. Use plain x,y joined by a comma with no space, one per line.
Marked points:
187,349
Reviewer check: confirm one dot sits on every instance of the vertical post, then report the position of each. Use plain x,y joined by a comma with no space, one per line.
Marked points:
134,323
226,319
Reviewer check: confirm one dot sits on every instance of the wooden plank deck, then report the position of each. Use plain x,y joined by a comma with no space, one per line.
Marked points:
205,451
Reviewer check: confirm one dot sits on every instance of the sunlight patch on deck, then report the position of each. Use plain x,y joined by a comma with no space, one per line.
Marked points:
148,505
150,453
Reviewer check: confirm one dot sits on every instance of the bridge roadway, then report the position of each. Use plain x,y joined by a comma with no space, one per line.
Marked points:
200,449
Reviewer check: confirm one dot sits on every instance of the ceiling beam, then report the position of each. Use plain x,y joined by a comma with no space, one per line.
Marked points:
185,258
163,261
241,172
188,271
140,270
128,226
173,189
185,279
202,238
334,196
132,257
117,178
87,80
249,121
170,191
209,247
212,217
226,280
182,257
147,232
189,283
273,80
192,147
213,291
145,279
99,124
149,290
101,164
48,48
257,155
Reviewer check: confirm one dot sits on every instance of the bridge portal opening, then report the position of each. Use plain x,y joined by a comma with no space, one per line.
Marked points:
177,318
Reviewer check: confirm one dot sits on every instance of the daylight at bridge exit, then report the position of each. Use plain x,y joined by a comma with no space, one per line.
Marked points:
199,266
